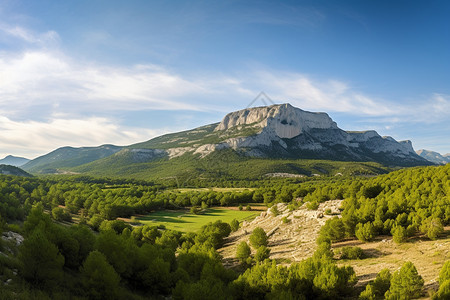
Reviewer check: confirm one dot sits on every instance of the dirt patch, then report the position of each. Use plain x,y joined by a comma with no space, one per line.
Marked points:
428,257
292,234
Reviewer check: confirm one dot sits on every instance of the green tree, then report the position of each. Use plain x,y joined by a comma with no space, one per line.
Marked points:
405,283
262,253
60,214
243,252
399,234
432,227
377,288
444,274
41,262
258,238
100,280
234,225
365,232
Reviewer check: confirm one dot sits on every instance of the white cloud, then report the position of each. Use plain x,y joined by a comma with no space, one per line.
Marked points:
42,83
30,138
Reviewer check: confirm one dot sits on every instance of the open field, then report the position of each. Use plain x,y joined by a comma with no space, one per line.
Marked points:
182,220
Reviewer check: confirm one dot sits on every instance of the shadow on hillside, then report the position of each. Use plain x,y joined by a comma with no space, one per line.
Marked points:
374,253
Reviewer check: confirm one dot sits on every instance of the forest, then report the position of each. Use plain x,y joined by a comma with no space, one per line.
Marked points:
75,247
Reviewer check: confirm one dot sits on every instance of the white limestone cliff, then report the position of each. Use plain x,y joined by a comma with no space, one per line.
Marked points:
284,120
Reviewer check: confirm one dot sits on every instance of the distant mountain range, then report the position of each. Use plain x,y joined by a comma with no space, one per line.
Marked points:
434,157
14,161
277,138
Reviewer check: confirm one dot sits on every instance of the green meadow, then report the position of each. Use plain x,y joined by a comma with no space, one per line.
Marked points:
183,220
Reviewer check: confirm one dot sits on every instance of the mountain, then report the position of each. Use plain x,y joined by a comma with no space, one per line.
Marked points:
14,161
12,170
282,131
253,141
68,157
434,157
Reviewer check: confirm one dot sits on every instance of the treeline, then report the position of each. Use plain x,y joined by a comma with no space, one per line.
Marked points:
401,204
122,262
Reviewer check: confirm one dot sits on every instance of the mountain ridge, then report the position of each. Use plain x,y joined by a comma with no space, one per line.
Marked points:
15,161
434,157
278,131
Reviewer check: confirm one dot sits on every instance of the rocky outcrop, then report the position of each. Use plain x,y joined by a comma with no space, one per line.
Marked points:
434,157
284,131
284,120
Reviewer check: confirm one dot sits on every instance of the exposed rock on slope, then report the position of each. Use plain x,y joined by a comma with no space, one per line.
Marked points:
292,241
434,157
276,131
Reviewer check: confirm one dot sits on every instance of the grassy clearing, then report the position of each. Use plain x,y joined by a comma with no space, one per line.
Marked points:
182,220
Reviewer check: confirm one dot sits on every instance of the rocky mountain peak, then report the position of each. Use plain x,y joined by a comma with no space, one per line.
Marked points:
284,120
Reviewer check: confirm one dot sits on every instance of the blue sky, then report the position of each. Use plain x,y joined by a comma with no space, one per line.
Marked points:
86,73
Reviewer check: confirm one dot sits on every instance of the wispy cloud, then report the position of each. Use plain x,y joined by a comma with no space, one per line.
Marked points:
29,138
48,99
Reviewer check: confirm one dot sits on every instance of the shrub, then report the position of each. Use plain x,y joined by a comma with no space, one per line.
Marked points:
405,283
352,253
444,274
194,210
399,234
432,227
262,253
258,238
240,207
286,220
377,288
248,207
365,232
60,214
234,225
274,210
333,230
243,251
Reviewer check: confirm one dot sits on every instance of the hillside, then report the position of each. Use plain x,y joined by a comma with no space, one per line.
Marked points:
246,143
67,157
14,161
12,170
434,157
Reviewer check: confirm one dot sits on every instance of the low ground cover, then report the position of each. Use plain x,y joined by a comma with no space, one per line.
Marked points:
183,220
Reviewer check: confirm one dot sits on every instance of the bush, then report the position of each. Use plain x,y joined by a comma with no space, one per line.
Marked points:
333,230
248,207
100,280
444,274
240,207
194,210
377,288
243,251
258,238
352,253
286,220
274,210
234,225
405,283
262,253
365,232
432,227
60,214
444,291
399,234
